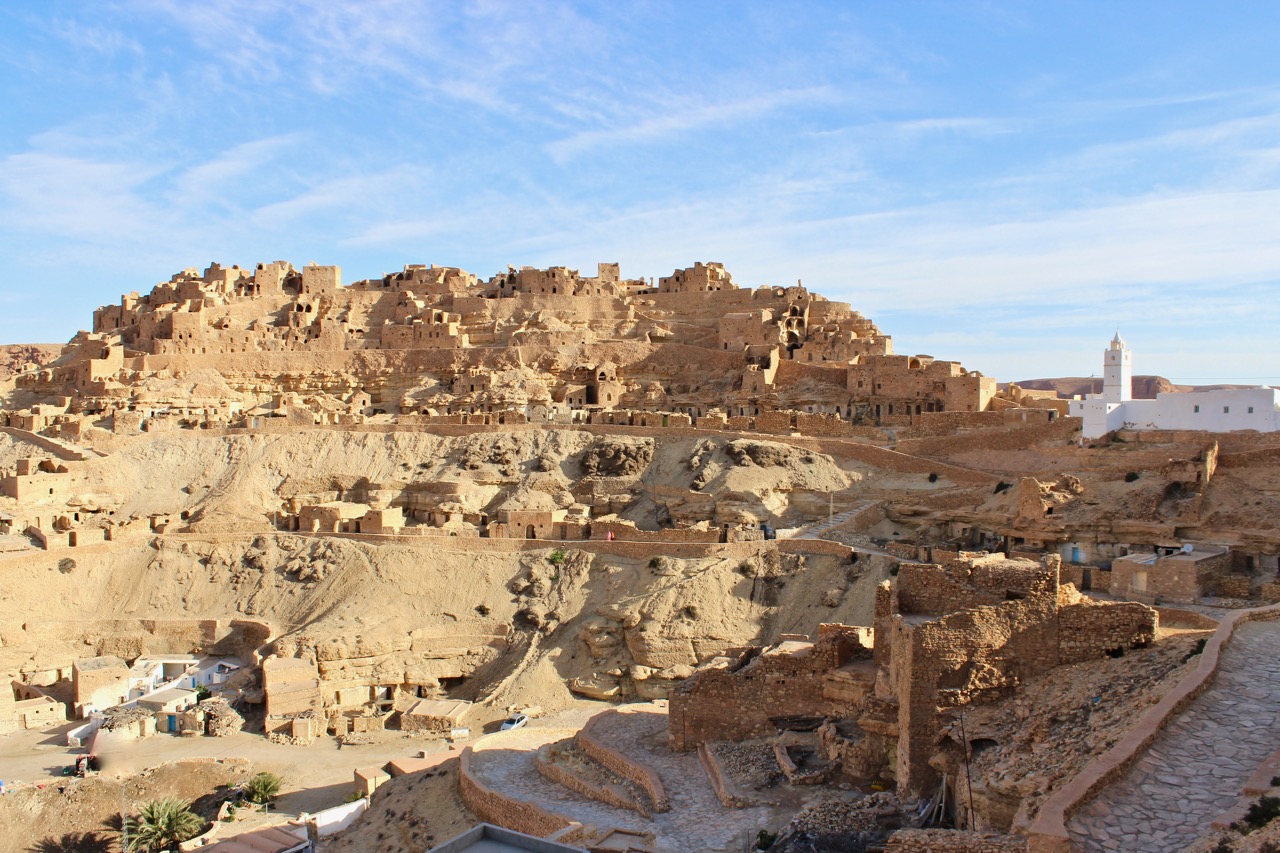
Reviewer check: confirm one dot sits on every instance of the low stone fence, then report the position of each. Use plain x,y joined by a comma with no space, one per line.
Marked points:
621,764
611,795
509,812
953,841
1177,617
726,792
1048,834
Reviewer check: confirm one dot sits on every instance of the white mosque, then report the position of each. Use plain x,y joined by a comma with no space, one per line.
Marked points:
1211,411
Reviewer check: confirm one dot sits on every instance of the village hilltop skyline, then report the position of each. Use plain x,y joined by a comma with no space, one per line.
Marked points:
995,184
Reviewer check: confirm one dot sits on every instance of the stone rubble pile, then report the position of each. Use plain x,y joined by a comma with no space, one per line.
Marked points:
751,763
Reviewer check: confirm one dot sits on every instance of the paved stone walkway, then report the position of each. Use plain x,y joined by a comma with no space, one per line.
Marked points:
696,821
1195,769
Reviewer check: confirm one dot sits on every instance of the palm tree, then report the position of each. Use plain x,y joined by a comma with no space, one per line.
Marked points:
262,788
162,825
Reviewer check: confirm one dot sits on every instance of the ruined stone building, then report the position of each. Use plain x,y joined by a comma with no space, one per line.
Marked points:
530,343
946,636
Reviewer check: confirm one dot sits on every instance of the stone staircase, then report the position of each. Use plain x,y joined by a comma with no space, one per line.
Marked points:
818,529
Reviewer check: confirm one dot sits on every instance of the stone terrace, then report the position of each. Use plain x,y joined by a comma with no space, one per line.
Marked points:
696,821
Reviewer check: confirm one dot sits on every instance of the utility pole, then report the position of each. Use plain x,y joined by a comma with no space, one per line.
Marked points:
967,778
124,821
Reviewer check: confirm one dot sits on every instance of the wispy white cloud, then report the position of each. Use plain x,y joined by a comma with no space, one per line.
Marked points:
473,52
972,126
675,120
363,193
97,38
77,198
942,252
1225,140
212,180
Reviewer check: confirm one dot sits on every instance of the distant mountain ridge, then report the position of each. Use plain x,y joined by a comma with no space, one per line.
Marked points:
1144,387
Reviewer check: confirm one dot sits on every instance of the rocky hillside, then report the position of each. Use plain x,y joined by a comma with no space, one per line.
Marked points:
15,357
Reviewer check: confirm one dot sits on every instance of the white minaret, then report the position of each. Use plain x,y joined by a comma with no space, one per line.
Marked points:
1117,372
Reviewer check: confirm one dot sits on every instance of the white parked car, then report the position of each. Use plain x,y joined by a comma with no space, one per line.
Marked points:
515,721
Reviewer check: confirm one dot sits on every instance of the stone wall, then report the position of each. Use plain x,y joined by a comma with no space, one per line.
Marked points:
560,775
726,792
615,761
953,841
823,425
993,439
929,588
508,812
1006,620
1089,629
736,699
1233,586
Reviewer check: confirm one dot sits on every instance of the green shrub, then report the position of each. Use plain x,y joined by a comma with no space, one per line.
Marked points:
262,788
557,557
1262,812
162,825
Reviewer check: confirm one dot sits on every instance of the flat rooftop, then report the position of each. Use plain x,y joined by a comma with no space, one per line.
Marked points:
487,838
453,708
164,697
105,662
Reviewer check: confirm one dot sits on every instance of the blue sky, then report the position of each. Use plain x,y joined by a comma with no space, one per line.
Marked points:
1000,183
